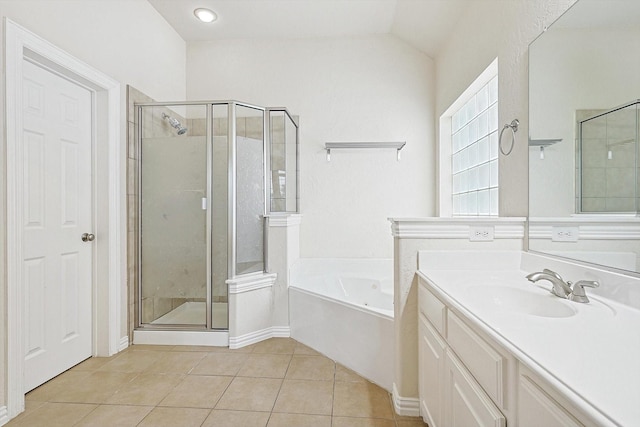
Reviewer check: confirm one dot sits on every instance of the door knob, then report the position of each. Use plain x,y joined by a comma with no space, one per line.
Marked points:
88,237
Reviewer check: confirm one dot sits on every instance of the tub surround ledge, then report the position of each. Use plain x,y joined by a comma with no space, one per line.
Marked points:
284,220
251,282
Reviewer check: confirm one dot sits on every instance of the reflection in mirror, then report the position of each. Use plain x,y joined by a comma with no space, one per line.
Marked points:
583,123
607,144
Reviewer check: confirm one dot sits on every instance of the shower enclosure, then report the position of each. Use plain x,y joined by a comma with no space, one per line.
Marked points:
209,174
609,158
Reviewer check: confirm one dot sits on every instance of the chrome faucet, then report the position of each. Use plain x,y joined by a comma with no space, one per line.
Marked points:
563,289
560,288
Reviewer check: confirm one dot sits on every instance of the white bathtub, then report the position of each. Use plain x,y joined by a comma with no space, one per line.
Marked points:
343,308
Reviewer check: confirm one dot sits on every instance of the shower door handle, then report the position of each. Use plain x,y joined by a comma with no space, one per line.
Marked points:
88,237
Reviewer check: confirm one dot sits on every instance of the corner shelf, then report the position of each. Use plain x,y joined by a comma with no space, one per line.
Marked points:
358,145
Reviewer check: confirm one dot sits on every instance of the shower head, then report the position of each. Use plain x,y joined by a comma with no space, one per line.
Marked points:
175,124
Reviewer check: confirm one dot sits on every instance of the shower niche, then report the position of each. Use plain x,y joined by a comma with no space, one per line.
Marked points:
208,176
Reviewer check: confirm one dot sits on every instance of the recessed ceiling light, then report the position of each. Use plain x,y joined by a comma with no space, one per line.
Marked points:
205,15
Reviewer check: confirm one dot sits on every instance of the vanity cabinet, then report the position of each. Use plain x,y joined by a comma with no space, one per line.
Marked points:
450,395
467,379
537,408
465,402
431,359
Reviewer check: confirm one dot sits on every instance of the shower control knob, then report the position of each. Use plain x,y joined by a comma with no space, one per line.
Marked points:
88,237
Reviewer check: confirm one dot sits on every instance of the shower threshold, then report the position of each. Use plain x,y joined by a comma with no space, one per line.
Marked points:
189,313
194,313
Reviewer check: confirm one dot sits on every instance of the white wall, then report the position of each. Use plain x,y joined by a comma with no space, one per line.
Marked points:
125,39
500,29
488,29
345,89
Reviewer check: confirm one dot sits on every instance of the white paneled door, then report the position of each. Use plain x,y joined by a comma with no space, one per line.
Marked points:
57,258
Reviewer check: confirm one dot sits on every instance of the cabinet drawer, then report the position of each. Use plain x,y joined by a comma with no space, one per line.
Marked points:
486,364
432,308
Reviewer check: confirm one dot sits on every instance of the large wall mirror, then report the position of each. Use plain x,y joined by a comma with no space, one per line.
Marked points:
584,126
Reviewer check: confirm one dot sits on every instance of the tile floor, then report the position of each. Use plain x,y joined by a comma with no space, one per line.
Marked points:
275,383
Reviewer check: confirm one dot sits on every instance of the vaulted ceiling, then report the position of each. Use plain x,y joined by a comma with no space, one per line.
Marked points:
424,24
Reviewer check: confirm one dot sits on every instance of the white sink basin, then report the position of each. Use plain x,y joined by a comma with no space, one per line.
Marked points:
534,302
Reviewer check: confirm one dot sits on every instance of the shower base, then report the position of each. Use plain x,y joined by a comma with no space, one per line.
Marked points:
189,313
195,313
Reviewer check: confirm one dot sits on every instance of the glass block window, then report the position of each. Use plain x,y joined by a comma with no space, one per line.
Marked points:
474,139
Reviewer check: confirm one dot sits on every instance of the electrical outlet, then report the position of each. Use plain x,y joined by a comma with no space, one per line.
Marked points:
565,234
481,234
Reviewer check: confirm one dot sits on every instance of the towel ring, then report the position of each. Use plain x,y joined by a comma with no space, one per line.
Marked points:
514,128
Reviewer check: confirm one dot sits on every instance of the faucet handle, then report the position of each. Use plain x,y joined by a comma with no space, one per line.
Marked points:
578,294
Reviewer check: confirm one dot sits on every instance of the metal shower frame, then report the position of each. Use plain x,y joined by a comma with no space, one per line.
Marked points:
232,195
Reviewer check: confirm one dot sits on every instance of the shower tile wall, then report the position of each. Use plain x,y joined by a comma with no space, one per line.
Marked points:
609,170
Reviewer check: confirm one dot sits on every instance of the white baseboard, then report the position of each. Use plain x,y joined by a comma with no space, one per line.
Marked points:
257,336
124,343
4,415
281,331
405,406
212,338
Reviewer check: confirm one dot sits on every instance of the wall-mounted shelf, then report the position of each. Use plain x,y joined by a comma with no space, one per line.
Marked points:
358,145
543,143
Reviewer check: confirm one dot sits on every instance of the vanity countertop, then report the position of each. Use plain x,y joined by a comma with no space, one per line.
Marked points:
590,352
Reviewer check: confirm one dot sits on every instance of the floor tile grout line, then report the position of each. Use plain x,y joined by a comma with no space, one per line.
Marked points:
274,350
280,389
333,397
222,394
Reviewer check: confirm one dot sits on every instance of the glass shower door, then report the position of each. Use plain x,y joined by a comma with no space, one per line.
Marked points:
173,192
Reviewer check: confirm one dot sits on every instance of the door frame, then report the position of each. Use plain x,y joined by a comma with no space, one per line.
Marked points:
109,267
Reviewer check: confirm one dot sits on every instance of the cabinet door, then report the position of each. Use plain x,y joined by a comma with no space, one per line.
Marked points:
465,403
537,408
431,371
